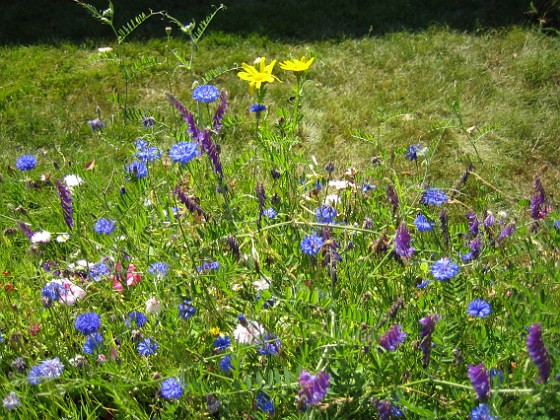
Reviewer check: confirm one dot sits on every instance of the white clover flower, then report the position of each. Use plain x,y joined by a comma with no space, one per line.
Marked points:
41,237
72,180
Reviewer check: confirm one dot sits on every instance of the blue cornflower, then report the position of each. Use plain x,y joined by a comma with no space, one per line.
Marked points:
482,412
325,214
104,226
50,368
52,291
422,224
11,401
147,347
311,244
479,308
35,375
88,323
423,284
208,266
186,310
496,376
183,152
556,225
413,151
159,269
138,169
148,121
444,269
136,319
434,197
264,403
99,270
271,345
225,363
96,124
257,108
221,343
206,93
1,337
269,213
26,162
93,343
368,187
171,389
145,152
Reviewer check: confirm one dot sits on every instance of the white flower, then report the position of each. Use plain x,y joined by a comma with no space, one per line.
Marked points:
72,180
11,401
502,214
70,293
153,306
251,334
41,237
261,284
332,199
341,184
102,50
62,237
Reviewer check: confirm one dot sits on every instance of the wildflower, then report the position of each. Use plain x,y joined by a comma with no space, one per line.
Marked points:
538,351
26,162
153,306
221,343
220,112
413,151
25,228
145,152
475,245
423,284
103,50
489,220
402,242
392,338
473,223
393,198
297,66
64,194
325,214
138,169
206,93
171,389
248,332
434,197
104,226
136,319
444,269
211,150
538,200
99,270
506,232
186,310
313,388
35,375
72,181
496,376
148,121
269,213
264,403
159,269
19,364
479,308
63,290
479,380
257,109
63,237
311,244
225,363
11,401
183,152
482,412
422,224
88,323
96,124
208,266
93,343
147,348
42,237
429,325
257,78
386,410
270,345
556,225
47,369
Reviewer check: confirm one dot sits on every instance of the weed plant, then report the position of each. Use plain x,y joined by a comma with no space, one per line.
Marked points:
166,273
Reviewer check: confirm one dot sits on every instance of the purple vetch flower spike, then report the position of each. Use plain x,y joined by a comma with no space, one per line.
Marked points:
313,388
65,202
393,198
474,246
538,200
538,351
189,202
384,409
211,150
392,338
473,223
178,106
506,232
193,130
402,242
428,326
261,195
479,380
219,115
24,227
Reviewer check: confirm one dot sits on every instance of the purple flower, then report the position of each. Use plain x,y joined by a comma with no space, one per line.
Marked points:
148,121
26,162
269,213
538,200
402,242
257,108
24,227
392,338
264,403
99,270
482,412
211,150
429,325
136,319
270,345
159,269
93,343
479,380
208,266
473,223
474,246
206,93
413,151
444,269
186,310
393,198
506,232
538,351
189,202
489,219
479,308
311,244
220,111
171,389
386,410
87,323
313,388
50,368
423,284
11,401
435,197
147,347
183,152
104,226
325,214
65,202
96,124
422,224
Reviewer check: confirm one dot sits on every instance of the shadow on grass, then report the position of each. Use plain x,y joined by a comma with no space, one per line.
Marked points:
42,21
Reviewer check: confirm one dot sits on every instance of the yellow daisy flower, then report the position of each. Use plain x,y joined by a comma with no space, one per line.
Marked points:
215,331
257,77
297,65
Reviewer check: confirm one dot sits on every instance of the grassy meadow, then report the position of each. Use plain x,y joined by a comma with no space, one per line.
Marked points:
206,223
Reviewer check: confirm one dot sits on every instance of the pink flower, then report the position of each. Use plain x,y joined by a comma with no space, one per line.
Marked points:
132,277
71,292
